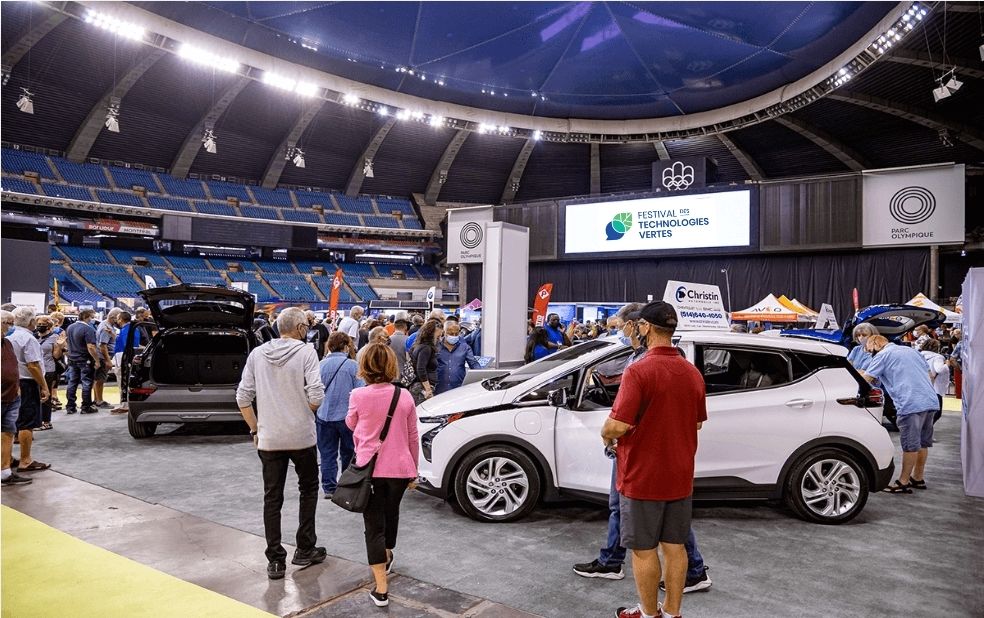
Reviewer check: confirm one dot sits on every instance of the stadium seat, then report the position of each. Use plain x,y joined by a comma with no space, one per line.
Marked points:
169,203
221,190
355,205
380,221
302,216
120,198
215,208
87,174
272,197
259,212
182,188
17,185
127,178
334,218
20,161
67,191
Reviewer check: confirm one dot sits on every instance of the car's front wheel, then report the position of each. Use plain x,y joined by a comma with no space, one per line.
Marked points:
827,486
140,430
497,483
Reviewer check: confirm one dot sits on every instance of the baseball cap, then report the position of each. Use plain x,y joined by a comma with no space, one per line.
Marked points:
659,313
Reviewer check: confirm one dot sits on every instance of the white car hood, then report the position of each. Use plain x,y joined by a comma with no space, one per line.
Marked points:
467,397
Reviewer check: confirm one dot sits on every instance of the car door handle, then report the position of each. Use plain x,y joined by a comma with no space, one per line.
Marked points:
799,403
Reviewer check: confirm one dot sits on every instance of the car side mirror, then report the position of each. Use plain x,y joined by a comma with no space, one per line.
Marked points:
558,398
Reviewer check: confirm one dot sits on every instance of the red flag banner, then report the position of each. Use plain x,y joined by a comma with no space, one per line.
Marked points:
540,303
336,288
857,305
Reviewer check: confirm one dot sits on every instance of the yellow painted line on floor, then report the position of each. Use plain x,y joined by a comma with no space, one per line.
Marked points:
46,572
951,404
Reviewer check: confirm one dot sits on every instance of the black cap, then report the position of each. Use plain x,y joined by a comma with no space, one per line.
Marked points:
659,313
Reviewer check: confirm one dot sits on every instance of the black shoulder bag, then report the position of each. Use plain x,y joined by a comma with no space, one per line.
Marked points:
355,483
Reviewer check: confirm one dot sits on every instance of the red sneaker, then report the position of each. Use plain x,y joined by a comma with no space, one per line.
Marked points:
634,612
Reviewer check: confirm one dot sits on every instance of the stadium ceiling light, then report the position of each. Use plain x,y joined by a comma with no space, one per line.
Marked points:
436,121
25,103
208,59
279,81
403,115
537,135
383,111
209,141
116,26
350,99
306,89
296,156
485,128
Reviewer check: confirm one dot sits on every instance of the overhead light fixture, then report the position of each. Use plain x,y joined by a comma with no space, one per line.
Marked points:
208,59
306,89
25,103
945,139
113,116
485,128
953,84
948,85
537,135
296,156
383,111
403,115
367,169
436,121
116,26
209,141
350,99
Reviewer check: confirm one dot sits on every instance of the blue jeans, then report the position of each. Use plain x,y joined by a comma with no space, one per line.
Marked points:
613,554
334,439
79,373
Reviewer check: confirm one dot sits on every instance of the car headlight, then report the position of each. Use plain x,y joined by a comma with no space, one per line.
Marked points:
427,440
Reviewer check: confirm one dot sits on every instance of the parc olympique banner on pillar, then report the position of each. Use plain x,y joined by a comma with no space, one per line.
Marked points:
920,206
466,234
680,222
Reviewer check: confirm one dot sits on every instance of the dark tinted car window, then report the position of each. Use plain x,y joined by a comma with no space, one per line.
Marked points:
733,369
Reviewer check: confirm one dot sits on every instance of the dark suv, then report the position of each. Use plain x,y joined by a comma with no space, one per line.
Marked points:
189,371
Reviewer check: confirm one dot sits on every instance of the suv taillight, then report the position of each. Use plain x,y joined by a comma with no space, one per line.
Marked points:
875,398
141,393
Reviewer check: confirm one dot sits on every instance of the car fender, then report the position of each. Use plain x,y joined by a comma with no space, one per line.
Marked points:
546,471
840,442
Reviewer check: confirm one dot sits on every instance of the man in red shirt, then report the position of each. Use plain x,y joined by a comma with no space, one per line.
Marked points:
659,408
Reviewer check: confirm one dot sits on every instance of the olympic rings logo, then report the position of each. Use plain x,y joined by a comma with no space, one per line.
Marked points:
912,205
471,235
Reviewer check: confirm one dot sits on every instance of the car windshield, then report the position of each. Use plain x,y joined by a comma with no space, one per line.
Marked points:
524,373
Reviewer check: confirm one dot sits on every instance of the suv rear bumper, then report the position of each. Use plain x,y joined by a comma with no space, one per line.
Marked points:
184,405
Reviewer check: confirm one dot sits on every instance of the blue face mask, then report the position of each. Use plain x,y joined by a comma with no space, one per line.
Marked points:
452,339
10,331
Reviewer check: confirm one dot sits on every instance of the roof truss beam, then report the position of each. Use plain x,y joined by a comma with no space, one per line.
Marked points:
965,133
440,174
279,159
19,49
516,174
664,154
189,149
844,153
964,66
358,175
88,131
747,162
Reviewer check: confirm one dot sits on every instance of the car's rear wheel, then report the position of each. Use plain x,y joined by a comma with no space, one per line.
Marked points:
497,483
140,430
827,486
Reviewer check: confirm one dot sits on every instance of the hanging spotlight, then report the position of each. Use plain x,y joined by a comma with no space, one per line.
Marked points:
25,103
209,141
367,169
953,84
296,156
113,116
945,138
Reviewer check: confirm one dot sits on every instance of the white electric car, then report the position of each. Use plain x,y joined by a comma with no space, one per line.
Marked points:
787,419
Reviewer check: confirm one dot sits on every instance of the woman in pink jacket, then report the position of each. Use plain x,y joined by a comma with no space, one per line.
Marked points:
396,464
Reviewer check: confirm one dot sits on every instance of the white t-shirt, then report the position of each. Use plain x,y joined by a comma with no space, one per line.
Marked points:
937,365
350,327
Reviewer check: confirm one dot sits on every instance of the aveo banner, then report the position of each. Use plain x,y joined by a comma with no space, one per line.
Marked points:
921,206
654,224
699,306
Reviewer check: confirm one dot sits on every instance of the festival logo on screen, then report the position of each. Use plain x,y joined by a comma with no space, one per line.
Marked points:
620,224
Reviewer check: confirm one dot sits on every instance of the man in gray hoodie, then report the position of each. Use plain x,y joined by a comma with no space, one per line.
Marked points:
283,377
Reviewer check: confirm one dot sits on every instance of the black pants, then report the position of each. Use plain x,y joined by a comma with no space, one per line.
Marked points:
382,517
274,477
52,379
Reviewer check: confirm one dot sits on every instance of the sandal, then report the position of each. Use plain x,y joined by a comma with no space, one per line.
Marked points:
897,488
37,466
913,483
43,427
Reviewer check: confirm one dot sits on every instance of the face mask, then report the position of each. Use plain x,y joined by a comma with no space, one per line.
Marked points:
10,331
452,339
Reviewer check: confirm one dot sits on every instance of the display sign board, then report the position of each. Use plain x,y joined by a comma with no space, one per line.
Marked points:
466,234
922,206
653,224
826,318
682,174
699,306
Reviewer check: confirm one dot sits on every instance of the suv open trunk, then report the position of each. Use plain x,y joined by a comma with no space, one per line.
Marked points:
206,357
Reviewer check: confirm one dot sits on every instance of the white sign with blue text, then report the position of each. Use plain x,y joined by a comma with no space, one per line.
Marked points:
698,306
680,222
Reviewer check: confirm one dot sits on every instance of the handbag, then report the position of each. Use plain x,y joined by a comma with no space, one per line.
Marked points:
355,483
408,375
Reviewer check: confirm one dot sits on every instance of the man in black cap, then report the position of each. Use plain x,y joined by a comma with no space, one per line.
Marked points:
659,408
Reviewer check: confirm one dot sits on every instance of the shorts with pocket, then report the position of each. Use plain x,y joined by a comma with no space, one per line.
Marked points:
647,523
11,411
915,430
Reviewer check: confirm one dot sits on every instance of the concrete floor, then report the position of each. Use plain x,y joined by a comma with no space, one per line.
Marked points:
904,555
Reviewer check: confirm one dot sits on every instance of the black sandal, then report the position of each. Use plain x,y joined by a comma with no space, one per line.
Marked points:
913,483
897,488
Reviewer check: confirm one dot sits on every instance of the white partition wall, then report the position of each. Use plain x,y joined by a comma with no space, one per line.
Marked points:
972,431
505,288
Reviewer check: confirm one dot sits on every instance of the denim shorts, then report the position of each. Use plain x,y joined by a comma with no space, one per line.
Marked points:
10,412
915,430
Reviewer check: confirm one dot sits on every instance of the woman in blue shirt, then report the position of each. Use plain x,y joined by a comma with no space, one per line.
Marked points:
538,345
453,354
338,374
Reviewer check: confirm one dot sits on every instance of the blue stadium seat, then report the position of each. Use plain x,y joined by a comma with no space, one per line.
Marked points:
324,284
169,203
67,191
380,221
272,197
302,216
113,282
17,185
411,223
309,199
428,272
88,174
334,218
221,190
201,276
124,256
182,188
389,204
268,266
159,274
291,287
244,276
355,205
357,270
259,212
364,290
20,161
118,197
127,178
88,255
215,208
188,262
